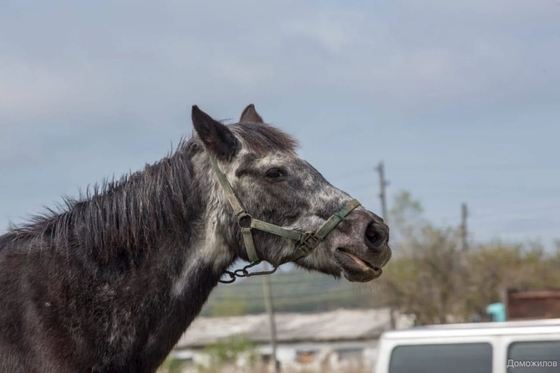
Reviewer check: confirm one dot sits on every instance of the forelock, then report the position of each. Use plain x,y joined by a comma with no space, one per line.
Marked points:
262,138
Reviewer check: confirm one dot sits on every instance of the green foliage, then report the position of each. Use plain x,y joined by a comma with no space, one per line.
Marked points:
435,281
228,351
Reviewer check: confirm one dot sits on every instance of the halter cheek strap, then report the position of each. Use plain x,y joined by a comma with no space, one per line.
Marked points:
306,242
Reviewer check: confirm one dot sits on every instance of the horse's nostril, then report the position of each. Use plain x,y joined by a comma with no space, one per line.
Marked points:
374,236
370,231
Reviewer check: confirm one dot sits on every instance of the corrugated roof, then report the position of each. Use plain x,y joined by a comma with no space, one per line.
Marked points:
291,327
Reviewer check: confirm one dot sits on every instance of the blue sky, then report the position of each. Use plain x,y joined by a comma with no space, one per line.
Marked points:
461,100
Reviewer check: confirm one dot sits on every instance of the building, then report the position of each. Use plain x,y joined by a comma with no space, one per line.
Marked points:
310,342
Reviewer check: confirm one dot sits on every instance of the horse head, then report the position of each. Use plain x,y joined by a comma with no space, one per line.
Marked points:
267,203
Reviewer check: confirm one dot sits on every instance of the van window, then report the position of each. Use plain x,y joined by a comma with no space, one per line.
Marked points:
534,357
442,358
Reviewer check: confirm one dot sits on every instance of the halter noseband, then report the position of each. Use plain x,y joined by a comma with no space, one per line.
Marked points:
306,242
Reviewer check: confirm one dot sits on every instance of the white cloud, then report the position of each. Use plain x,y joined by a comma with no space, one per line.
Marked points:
147,58
504,10
90,88
34,92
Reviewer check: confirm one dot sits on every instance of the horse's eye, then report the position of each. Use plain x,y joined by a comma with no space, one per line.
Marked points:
274,173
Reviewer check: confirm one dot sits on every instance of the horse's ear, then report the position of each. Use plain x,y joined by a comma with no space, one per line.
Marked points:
250,115
216,137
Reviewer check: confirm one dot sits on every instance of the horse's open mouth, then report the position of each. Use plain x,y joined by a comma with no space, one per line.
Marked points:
355,268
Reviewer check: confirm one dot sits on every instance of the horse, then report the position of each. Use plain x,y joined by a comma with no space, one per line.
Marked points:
110,280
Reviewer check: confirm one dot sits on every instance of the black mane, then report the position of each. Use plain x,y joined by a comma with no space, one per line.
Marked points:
120,214
130,213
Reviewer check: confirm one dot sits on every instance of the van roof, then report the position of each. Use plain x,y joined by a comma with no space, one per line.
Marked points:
485,328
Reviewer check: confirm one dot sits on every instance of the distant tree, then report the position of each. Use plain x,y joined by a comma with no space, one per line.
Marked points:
431,278
497,266
425,276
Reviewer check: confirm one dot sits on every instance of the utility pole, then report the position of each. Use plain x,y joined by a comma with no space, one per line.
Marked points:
269,305
464,232
383,197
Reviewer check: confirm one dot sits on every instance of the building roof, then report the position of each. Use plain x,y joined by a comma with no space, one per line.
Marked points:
340,325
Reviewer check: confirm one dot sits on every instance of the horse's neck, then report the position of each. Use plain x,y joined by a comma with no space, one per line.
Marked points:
160,226
175,227
180,277
172,281
137,263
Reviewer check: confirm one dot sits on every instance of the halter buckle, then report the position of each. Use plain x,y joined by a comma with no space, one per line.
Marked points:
309,242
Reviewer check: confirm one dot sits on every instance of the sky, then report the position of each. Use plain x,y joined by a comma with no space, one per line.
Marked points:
459,99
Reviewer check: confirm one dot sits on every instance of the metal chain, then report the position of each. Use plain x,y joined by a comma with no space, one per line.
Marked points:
244,273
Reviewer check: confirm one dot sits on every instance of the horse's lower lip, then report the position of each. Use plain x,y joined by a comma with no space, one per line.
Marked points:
354,268
361,262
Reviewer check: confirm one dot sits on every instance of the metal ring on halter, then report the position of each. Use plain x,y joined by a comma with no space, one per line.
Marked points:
244,219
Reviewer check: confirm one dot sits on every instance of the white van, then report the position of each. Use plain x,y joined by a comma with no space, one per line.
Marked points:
493,347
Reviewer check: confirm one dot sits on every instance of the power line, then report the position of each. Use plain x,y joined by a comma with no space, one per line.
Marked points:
496,167
436,186
290,295
319,278
290,300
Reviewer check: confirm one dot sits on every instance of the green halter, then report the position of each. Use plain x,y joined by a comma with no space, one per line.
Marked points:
306,241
